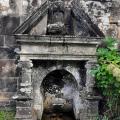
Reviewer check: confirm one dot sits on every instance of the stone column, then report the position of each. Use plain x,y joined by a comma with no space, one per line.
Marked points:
38,76
26,80
90,80
24,96
91,101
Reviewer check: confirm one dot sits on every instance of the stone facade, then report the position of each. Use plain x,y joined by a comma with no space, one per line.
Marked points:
19,53
85,103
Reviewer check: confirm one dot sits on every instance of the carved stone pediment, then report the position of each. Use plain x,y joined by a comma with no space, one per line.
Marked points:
72,17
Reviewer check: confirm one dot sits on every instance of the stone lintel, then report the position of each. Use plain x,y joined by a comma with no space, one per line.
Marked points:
58,57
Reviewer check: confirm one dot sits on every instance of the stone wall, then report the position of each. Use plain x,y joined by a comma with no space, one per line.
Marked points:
7,69
105,13
9,20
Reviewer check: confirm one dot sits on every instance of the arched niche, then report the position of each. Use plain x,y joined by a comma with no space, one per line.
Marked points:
59,79
58,89
69,79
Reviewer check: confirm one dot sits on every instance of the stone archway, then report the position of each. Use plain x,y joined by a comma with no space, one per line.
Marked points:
37,79
41,72
58,88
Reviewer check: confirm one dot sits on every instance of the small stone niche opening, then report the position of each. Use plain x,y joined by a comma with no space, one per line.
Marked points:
58,89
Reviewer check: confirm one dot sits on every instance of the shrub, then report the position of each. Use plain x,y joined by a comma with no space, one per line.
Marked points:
108,77
7,115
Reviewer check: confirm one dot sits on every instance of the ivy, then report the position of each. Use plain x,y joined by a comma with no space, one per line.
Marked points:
108,77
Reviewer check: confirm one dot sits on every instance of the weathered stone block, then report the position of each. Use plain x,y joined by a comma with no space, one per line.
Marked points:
7,53
8,24
23,103
10,41
8,84
7,67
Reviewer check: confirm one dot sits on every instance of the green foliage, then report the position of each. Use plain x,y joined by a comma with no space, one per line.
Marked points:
108,77
104,118
7,115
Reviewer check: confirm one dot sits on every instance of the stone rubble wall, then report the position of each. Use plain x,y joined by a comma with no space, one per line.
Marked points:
8,79
105,13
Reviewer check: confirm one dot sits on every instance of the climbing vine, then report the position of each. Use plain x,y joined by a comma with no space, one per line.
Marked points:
107,76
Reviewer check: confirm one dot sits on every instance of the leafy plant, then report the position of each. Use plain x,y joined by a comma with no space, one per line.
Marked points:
7,115
108,77
103,118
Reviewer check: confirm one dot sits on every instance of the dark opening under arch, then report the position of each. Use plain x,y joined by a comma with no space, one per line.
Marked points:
58,89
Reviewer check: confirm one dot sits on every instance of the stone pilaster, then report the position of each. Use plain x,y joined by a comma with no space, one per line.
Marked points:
91,101
90,79
26,80
24,102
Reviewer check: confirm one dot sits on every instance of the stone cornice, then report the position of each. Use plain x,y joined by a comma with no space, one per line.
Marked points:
69,57
58,47
30,39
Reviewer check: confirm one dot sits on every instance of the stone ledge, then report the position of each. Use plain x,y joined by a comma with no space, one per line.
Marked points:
58,39
56,57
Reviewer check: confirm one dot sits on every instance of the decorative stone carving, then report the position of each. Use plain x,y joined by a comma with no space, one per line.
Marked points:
56,17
